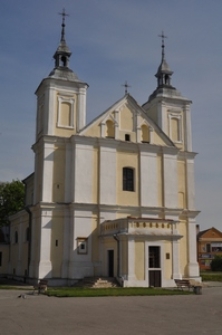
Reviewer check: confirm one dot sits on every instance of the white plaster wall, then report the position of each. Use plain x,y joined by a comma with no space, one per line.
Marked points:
107,187
190,184
81,264
48,163
67,242
83,183
52,113
69,174
45,265
187,128
170,181
81,117
148,179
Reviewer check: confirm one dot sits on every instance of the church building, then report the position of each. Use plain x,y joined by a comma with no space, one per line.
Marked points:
114,198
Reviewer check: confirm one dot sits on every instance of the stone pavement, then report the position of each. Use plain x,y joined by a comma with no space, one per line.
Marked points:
162,315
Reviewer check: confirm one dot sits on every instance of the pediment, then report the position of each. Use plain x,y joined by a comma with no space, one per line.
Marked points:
127,121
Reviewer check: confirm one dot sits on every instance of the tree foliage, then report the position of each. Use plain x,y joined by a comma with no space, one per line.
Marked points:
12,196
216,264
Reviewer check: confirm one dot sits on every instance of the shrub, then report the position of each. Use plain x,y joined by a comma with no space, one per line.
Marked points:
216,264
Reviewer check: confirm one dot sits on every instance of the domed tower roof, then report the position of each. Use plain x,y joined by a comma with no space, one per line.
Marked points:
61,56
164,72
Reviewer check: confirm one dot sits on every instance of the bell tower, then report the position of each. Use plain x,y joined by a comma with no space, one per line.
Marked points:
168,108
61,97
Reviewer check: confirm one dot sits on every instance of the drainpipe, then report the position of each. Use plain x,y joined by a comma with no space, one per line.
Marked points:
118,254
29,237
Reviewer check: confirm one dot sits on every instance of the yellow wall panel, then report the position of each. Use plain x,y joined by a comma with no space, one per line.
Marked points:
140,260
126,119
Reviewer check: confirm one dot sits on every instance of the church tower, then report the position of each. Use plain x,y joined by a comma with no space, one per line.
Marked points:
61,106
61,114
171,112
168,108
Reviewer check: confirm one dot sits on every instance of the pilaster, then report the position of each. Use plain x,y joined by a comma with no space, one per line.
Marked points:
81,117
47,177
190,184
45,265
193,267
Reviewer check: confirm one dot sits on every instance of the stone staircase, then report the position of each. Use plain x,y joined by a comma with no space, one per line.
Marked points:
97,282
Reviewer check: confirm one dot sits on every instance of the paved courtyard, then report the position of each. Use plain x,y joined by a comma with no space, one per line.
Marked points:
163,315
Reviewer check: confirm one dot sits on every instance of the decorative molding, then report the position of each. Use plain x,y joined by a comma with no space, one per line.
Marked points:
71,102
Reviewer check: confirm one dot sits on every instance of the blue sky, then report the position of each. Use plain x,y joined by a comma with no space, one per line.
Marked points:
113,41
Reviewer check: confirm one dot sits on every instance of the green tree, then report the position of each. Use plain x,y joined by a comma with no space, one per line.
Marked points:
216,264
12,196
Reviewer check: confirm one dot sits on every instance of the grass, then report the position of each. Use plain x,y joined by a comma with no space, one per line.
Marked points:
211,276
112,292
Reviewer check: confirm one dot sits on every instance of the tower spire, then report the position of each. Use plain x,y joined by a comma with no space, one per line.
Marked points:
62,53
63,14
163,45
164,72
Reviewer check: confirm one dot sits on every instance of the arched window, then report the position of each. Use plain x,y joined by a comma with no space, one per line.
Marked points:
110,129
128,179
16,237
145,134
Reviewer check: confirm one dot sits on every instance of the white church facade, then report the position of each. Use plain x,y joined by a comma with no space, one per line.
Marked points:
114,198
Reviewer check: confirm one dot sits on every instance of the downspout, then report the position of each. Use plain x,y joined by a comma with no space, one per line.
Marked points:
29,237
118,255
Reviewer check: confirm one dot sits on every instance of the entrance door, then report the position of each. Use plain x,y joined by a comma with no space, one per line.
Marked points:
110,258
154,266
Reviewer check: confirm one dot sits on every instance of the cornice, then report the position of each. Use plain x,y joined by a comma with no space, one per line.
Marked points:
170,150
50,82
189,214
186,155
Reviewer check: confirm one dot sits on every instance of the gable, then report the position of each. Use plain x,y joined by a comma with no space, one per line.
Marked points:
211,233
127,121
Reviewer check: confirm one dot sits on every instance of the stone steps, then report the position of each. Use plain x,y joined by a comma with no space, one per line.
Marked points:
97,282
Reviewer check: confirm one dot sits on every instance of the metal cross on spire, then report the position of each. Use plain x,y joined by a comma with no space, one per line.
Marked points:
126,87
163,45
63,14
